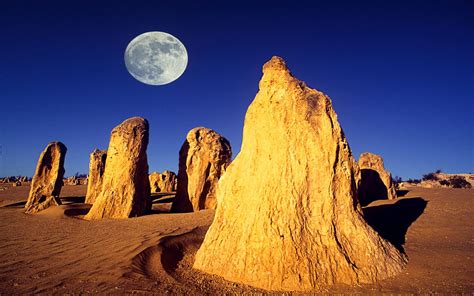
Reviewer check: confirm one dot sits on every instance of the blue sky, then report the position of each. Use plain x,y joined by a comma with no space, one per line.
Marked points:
400,75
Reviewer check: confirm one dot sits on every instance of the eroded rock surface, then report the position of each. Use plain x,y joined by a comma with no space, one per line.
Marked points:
97,161
164,182
13,179
375,181
287,213
72,181
48,179
203,159
125,186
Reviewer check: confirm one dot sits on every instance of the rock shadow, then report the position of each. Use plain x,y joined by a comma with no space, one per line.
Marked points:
393,220
371,187
206,189
401,193
174,248
161,262
182,203
72,199
73,210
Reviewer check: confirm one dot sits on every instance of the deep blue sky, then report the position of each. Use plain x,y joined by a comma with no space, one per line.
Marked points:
400,74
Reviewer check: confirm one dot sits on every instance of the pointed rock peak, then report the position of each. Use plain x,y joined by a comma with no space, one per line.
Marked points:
276,75
275,64
276,70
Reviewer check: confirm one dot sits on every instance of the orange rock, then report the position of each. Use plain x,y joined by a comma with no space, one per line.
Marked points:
125,186
375,181
96,173
48,179
164,182
203,159
287,213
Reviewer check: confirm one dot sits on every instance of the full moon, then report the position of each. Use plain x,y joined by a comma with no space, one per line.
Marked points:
156,58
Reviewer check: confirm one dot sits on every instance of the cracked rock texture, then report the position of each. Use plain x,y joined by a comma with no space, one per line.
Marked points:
164,182
48,179
125,186
96,173
288,216
375,181
203,159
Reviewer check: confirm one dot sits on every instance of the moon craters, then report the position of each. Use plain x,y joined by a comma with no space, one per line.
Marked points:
156,58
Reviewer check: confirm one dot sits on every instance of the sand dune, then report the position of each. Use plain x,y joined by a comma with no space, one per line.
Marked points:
56,251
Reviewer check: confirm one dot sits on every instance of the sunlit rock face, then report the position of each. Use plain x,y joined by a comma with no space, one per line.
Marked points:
203,159
375,181
48,179
96,173
125,186
288,216
164,182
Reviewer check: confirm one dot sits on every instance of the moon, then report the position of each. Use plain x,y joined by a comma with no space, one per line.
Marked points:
156,58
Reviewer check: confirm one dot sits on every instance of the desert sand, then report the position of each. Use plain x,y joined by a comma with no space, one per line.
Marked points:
56,252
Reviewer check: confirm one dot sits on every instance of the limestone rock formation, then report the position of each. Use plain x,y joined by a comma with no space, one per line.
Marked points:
125,187
375,181
9,179
203,159
442,180
287,213
48,179
72,181
96,172
153,178
164,182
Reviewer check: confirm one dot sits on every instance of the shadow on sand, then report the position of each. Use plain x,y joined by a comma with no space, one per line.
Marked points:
75,205
401,193
78,209
175,247
73,199
393,220
65,200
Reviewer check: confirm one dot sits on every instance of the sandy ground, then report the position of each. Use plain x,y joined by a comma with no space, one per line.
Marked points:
55,252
